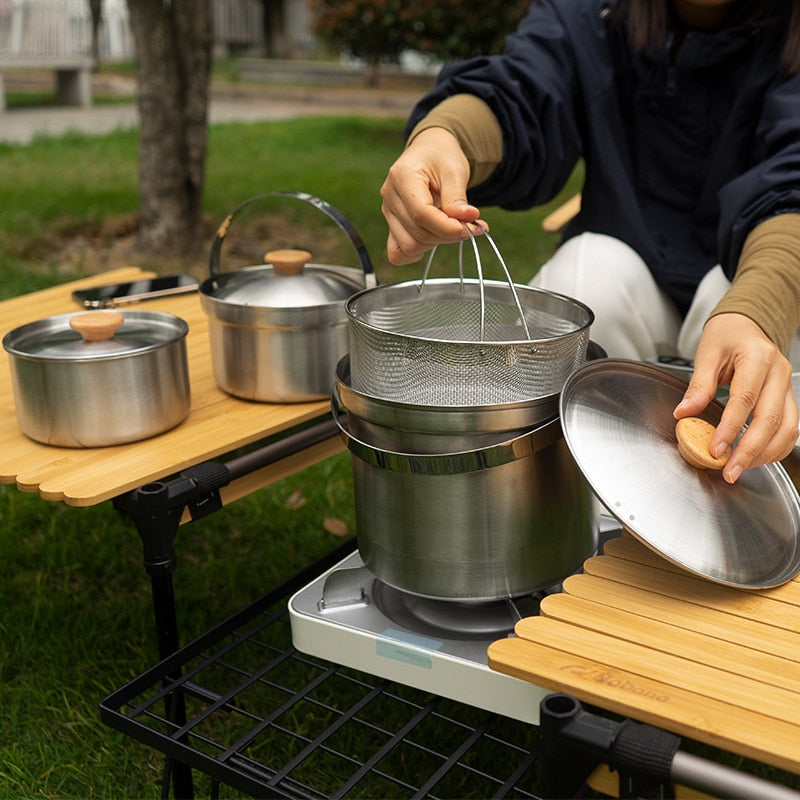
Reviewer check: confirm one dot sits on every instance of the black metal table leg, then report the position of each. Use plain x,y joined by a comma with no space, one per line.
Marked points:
156,511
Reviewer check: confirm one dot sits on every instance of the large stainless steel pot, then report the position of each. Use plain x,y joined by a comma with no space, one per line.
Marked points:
501,519
277,330
98,378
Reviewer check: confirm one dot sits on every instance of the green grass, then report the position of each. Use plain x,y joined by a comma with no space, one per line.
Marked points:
53,186
77,619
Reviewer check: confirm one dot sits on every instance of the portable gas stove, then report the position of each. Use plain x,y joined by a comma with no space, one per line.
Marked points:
349,617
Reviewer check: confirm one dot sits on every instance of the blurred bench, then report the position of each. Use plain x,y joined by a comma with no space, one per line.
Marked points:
73,77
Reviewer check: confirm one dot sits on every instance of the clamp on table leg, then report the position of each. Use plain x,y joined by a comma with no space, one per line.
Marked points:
640,753
157,508
647,758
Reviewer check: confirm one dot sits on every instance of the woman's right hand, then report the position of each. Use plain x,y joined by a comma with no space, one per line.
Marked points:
425,197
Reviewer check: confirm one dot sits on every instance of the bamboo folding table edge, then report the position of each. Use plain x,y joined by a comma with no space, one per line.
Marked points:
639,637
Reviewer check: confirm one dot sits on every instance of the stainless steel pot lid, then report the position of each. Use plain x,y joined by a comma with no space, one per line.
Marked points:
79,337
287,281
618,424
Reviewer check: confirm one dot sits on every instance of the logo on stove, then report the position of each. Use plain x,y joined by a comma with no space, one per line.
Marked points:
608,678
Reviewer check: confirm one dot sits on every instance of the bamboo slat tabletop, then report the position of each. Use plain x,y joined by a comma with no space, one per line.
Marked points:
640,637
217,423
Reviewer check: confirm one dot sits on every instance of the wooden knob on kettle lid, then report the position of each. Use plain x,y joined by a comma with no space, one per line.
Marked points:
288,262
96,326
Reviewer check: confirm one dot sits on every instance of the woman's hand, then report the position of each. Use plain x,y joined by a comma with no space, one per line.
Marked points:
733,349
425,197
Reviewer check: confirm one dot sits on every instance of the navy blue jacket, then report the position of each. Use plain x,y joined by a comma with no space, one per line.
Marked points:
682,158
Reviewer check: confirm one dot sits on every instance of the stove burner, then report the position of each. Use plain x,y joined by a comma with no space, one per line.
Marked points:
451,620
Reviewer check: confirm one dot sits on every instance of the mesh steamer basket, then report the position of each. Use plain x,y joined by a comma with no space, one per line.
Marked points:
457,342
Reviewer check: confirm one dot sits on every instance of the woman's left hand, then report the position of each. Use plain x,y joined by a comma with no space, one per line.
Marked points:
734,350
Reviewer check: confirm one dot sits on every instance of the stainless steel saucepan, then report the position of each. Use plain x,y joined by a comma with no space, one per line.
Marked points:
97,378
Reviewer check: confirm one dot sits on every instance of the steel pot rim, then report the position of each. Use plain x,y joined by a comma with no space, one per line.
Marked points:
442,419
479,459
446,283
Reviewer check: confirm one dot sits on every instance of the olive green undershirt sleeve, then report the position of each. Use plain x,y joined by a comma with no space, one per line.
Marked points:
766,286
475,126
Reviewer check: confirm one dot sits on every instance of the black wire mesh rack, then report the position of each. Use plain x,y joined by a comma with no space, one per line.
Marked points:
242,706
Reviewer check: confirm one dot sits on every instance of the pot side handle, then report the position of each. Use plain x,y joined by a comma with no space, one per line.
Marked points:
343,223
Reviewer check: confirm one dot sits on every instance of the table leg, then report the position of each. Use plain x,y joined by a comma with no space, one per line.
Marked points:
156,512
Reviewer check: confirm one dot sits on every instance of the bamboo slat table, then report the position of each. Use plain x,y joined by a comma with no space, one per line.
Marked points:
217,423
640,637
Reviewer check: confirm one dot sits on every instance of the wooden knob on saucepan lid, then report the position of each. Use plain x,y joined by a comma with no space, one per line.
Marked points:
288,262
97,326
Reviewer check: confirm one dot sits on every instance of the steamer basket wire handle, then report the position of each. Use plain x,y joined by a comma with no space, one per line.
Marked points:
479,268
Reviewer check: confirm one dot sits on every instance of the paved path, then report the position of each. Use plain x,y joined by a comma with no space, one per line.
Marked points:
19,126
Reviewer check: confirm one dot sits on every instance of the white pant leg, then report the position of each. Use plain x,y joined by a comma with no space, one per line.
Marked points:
634,318
710,291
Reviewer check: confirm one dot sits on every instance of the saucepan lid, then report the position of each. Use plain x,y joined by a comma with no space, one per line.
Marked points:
617,420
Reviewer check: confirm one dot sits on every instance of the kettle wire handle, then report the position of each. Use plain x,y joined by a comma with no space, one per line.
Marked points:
344,224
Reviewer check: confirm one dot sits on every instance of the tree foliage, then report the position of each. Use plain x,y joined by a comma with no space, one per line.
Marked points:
450,30
379,30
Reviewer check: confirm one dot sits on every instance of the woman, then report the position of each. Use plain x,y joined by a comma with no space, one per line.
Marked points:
687,116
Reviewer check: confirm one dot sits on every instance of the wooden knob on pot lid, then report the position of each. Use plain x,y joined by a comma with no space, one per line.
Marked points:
288,262
97,326
694,437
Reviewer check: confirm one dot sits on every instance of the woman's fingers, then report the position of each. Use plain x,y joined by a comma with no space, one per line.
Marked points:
734,350
424,197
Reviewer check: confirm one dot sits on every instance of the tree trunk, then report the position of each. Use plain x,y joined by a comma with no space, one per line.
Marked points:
96,11
274,29
173,45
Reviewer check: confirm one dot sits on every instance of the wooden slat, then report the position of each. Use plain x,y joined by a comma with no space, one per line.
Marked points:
715,721
669,669
737,630
556,220
640,637
667,639
771,605
627,547
217,423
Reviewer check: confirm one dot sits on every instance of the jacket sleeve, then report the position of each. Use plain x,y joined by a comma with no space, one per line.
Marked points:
772,185
531,90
